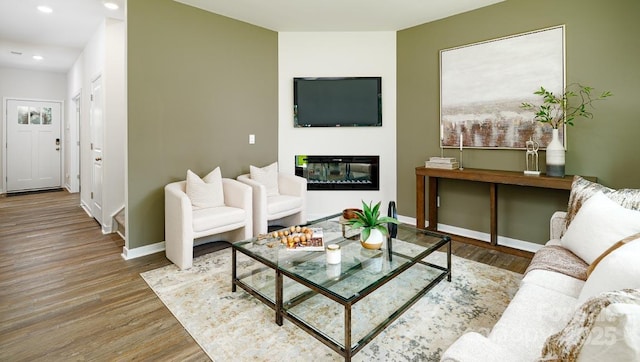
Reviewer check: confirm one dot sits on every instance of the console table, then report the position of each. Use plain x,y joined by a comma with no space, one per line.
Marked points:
493,178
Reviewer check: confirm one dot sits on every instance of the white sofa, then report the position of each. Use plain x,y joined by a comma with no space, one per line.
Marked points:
183,223
551,303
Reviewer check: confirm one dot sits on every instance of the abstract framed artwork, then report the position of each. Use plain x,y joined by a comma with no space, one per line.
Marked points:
482,86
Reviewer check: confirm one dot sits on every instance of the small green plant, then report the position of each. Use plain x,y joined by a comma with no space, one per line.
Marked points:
370,219
557,110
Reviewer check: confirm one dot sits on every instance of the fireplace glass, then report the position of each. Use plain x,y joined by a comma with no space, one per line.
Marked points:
339,172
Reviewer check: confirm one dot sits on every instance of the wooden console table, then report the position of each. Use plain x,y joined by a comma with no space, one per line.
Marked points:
491,177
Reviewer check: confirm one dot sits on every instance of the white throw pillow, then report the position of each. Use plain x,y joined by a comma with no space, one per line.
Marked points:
604,328
598,225
205,193
618,270
615,336
268,176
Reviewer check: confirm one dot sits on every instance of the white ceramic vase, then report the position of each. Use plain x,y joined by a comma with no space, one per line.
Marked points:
555,156
374,241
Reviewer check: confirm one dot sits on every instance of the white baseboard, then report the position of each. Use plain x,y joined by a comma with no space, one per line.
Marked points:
502,240
142,251
86,208
107,229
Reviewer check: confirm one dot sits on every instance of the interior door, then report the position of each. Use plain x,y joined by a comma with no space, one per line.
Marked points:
97,141
33,145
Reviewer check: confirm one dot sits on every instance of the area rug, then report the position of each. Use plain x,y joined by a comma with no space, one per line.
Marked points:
236,326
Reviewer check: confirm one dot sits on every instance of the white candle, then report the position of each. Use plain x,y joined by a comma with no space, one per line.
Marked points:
333,254
460,141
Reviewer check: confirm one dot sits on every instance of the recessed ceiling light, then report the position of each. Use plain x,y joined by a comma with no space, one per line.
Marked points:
45,9
38,57
111,6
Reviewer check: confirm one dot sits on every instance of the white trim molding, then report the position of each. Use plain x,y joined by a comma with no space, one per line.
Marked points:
502,240
128,254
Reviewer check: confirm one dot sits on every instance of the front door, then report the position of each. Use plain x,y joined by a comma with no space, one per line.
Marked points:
33,144
97,130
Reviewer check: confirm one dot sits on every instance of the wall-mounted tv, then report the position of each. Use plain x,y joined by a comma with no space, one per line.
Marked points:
337,102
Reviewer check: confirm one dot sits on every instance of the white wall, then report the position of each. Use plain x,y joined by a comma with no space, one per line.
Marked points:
115,124
333,54
92,67
104,57
28,84
72,129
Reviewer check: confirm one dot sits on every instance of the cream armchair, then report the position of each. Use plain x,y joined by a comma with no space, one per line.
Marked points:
183,224
288,206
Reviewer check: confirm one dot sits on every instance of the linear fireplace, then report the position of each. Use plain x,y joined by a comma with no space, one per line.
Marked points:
339,172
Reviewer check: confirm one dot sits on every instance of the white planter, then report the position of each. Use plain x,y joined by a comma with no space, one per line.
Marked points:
555,156
374,241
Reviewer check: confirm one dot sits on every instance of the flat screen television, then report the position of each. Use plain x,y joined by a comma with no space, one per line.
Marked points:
337,102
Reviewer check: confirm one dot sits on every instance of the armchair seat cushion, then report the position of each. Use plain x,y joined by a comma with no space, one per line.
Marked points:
283,204
216,217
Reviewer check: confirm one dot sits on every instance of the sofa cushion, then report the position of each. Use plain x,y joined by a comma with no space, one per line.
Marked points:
283,204
582,189
268,176
207,192
618,270
533,314
215,217
603,328
599,224
558,282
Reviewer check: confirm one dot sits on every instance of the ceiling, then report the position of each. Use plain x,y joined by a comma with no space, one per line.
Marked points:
61,35
338,15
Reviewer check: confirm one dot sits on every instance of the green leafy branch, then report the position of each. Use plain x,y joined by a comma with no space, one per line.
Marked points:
557,110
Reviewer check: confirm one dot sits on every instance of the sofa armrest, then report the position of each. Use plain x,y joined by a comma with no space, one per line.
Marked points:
557,224
473,346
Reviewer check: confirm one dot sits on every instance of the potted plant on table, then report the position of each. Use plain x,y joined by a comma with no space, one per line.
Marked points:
557,111
372,225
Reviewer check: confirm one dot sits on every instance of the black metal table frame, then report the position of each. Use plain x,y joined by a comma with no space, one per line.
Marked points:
345,351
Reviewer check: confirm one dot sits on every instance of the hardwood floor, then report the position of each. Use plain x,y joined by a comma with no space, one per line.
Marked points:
67,294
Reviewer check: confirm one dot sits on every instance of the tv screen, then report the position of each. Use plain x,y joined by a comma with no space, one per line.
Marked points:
337,102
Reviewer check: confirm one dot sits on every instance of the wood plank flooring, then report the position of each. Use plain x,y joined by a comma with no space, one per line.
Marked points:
66,294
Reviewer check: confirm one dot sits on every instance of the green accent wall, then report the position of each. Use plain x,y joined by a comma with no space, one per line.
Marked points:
602,50
198,85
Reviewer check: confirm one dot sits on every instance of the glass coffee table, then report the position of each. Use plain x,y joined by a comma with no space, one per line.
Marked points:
344,305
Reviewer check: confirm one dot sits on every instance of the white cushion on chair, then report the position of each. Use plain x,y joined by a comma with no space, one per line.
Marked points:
282,203
206,192
215,217
268,176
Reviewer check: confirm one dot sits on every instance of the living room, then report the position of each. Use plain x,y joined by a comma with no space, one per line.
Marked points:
235,74
199,84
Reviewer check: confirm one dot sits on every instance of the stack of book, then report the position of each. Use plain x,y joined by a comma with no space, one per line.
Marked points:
448,163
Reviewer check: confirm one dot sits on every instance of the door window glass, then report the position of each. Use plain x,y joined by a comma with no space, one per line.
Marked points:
23,115
46,115
34,114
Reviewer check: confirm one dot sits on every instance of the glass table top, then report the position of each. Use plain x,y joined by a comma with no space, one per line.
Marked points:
359,270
